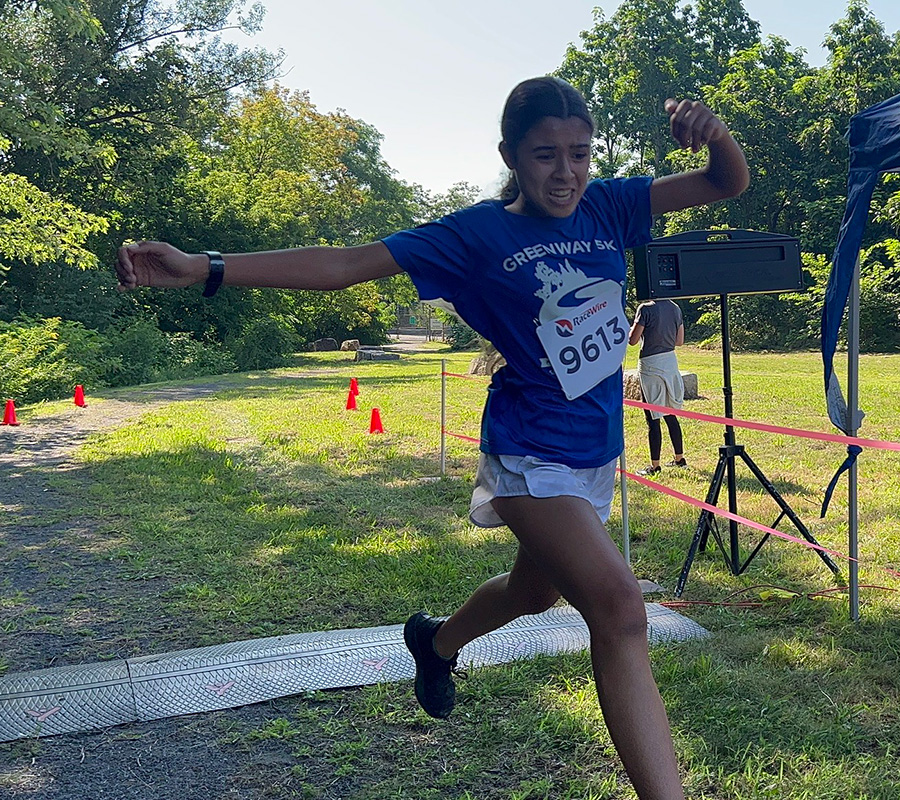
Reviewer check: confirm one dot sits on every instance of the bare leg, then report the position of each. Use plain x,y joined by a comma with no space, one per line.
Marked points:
523,590
565,536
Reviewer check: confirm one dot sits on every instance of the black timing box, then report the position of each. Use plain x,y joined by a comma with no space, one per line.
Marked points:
702,263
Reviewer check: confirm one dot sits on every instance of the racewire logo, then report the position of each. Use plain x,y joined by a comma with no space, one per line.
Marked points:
564,327
590,312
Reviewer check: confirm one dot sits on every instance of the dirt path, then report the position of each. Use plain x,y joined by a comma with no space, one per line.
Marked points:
52,563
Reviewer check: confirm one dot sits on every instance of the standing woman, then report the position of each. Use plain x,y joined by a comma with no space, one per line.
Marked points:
541,275
659,327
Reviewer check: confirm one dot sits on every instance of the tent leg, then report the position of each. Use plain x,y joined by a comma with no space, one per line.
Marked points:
852,429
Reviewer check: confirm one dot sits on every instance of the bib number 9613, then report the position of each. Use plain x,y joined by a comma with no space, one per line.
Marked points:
589,345
608,336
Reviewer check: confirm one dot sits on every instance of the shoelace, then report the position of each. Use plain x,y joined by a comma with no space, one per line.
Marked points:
459,672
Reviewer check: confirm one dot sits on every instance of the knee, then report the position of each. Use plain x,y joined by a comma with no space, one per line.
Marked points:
616,614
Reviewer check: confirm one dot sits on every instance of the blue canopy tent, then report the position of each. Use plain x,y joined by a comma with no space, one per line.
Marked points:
874,139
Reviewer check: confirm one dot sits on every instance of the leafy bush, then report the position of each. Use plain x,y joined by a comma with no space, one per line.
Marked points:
756,322
265,343
134,352
45,359
359,312
188,358
879,297
138,352
793,320
460,335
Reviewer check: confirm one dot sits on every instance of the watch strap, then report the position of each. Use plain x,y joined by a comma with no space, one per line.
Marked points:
216,273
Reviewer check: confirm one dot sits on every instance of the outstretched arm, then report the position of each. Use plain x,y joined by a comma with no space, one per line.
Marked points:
725,175
160,264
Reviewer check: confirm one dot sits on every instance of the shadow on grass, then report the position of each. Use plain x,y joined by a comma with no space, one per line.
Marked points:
321,376
746,481
202,546
792,689
216,549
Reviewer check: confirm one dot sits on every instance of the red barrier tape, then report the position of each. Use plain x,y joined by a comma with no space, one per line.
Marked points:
740,423
467,377
460,436
720,512
742,520
761,426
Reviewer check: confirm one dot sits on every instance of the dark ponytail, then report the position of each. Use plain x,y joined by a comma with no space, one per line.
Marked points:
528,104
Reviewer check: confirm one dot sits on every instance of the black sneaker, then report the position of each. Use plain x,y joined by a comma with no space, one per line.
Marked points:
680,464
435,689
651,470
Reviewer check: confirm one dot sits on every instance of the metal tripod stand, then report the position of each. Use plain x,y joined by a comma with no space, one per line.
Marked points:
725,469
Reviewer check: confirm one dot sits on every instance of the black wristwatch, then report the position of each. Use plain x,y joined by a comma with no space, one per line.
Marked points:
216,273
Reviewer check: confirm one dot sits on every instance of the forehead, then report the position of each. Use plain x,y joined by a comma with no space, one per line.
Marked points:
555,131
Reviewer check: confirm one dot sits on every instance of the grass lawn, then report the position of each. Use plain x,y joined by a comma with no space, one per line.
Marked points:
269,509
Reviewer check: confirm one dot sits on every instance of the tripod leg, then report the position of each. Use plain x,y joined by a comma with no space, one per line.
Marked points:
786,511
712,496
701,532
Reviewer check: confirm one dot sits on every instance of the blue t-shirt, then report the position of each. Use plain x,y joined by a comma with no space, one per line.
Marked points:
507,273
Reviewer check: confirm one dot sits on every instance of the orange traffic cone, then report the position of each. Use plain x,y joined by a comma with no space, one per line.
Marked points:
375,424
354,386
79,396
9,416
351,401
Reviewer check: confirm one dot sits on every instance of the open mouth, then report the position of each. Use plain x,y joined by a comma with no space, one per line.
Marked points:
561,198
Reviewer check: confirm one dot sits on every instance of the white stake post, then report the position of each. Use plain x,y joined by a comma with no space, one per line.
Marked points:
623,487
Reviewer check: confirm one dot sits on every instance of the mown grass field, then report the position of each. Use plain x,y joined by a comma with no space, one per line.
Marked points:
268,508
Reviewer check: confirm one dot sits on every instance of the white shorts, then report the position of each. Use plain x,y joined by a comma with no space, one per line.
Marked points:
514,476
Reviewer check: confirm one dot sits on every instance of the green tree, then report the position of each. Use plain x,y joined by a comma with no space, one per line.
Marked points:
277,173
434,205
150,72
722,28
863,68
761,97
101,101
36,226
647,51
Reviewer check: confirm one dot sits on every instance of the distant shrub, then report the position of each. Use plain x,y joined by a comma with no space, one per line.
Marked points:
460,336
264,343
188,358
138,352
45,359
134,352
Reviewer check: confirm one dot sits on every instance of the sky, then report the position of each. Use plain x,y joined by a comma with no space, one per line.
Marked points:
432,75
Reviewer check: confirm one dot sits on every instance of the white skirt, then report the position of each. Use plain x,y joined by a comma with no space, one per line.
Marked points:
514,476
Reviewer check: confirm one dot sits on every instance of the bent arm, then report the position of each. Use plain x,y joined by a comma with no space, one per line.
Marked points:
725,175
634,335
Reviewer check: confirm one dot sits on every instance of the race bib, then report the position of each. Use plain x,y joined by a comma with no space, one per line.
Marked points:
588,346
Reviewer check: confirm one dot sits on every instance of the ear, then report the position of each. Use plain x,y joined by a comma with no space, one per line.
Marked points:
506,155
